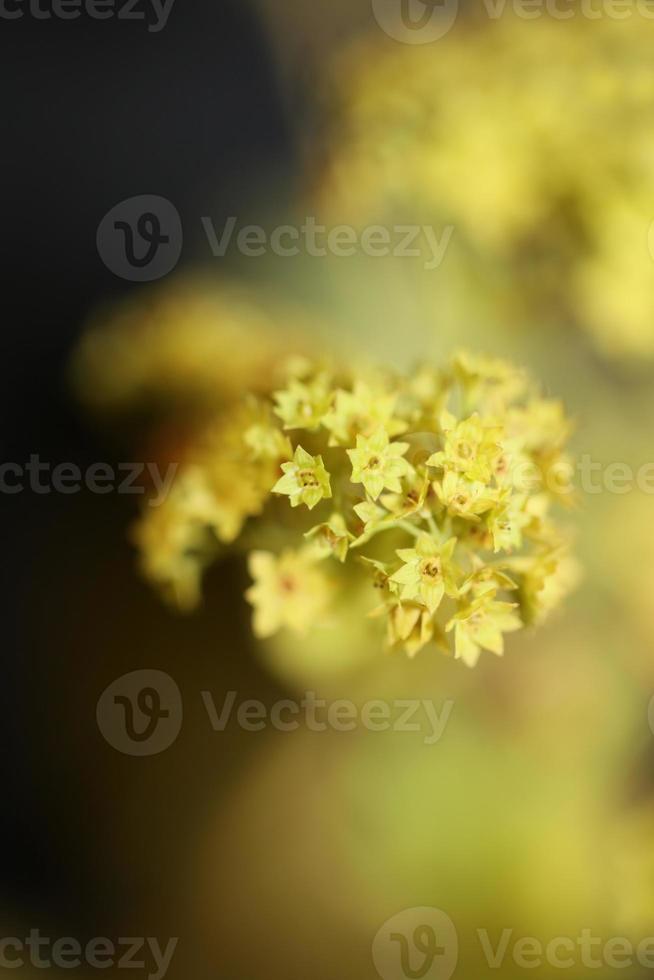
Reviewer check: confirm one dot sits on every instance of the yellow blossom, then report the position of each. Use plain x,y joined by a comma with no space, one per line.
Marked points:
544,580
559,212
471,449
411,501
409,626
303,405
305,480
463,498
371,515
289,590
361,412
422,538
176,540
378,463
481,625
332,537
506,521
266,441
427,572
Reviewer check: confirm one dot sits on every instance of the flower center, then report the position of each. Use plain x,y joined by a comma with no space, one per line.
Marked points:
287,583
430,568
307,478
374,463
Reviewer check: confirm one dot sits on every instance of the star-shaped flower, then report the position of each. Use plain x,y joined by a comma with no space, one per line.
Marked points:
471,448
303,405
289,590
410,626
266,441
506,521
361,411
371,515
486,578
463,498
481,624
410,501
428,572
332,537
378,463
305,480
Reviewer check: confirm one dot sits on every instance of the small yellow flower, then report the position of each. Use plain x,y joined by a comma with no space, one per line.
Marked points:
541,424
428,572
545,579
361,412
266,441
177,540
481,624
377,463
305,480
411,501
471,449
409,626
289,590
381,581
493,378
464,499
487,578
332,537
303,405
507,520
371,515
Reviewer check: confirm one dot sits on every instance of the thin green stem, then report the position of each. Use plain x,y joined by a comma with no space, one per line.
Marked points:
409,528
405,525
431,523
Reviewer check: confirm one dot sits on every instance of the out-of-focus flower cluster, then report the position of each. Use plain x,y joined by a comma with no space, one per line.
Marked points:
184,345
502,131
424,484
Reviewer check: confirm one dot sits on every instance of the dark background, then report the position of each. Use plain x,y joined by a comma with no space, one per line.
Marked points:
96,112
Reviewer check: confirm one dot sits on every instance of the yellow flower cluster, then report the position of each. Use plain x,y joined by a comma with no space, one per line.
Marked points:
534,138
429,485
187,343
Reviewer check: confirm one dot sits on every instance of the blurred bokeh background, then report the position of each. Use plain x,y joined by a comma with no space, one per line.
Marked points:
274,854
